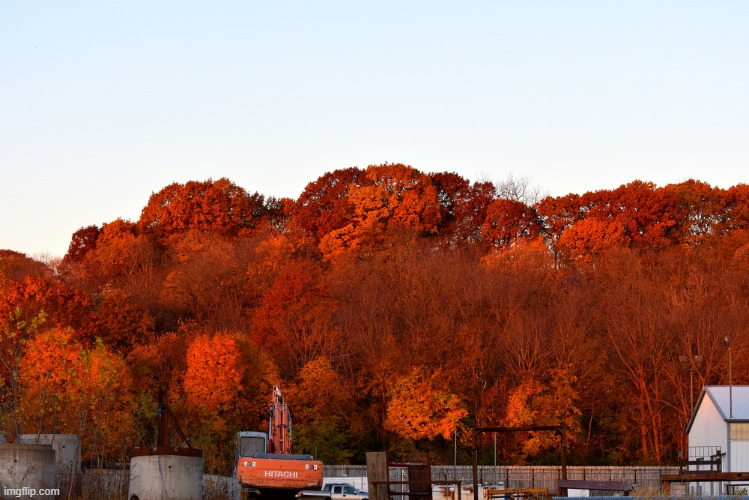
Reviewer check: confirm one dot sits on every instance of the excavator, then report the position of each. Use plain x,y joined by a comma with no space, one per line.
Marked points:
266,468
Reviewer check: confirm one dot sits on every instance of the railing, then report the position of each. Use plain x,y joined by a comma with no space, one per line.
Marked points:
702,459
703,452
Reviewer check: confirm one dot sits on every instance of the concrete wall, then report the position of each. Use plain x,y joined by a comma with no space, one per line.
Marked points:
27,465
67,450
161,477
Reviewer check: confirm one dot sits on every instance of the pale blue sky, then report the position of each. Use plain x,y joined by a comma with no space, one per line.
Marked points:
104,102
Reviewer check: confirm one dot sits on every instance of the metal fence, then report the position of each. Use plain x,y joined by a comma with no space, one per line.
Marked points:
521,476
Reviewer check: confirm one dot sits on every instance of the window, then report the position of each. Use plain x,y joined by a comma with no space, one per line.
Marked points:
739,431
248,446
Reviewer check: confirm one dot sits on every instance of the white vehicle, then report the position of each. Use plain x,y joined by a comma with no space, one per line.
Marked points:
334,491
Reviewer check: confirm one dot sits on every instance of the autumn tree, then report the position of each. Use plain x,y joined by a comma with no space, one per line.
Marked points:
419,409
734,209
324,205
16,266
509,220
325,408
205,282
550,400
81,243
647,213
556,215
221,380
27,307
213,377
588,239
68,388
61,305
640,343
397,196
16,331
294,321
463,206
696,211
121,323
119,258
218,206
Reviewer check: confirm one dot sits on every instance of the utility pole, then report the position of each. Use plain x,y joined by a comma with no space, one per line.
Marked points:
730,383
729,341
694,361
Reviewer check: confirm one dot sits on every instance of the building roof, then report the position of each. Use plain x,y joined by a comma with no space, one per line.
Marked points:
732,401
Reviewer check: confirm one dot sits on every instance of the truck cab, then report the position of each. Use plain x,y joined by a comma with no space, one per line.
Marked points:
347,491
334,491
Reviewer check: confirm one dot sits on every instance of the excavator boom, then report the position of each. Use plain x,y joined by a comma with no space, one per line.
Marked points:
279,424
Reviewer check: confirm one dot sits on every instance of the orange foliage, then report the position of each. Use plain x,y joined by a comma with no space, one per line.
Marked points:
527,254
551,403
213,379
463,206
397,196
69,389
321,392
294,321
160,364
323,419
411,196
120,323
16,266
82,242
324,206
61,305
509,220
219,206
590,238
369,273
419,410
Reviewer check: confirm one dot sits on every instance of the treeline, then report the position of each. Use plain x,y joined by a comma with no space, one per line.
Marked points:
396,309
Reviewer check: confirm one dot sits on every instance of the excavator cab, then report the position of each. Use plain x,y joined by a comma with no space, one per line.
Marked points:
249,443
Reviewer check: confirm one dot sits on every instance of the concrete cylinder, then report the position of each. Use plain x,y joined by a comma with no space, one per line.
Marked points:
161,477
29,466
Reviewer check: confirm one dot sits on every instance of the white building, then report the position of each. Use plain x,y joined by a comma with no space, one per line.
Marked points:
719,429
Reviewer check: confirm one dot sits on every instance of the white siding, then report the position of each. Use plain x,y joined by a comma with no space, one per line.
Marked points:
708,428
739,456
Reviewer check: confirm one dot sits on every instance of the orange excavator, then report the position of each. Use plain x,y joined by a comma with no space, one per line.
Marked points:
266,468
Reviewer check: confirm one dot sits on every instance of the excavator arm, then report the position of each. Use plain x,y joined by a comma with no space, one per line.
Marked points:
279,425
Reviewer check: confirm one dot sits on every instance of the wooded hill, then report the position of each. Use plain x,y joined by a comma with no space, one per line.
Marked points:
395,308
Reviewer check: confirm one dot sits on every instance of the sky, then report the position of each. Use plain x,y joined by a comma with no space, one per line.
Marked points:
103,103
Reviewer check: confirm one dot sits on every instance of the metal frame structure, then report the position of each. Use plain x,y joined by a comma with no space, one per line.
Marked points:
477,431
